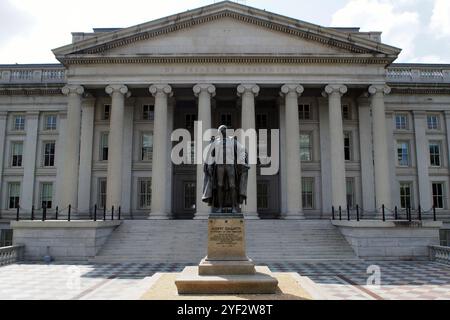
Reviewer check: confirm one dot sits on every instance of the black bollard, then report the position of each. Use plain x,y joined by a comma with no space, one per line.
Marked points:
95,213
357,212
69,212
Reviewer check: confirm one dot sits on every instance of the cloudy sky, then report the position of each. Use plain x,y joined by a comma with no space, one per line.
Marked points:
29,29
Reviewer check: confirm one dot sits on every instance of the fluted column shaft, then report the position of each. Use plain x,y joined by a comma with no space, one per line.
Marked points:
291,93
248,92
381,155
115,145
72,145
161,142
338,184
204,92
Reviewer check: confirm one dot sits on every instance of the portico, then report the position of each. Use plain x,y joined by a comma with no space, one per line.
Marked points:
250,98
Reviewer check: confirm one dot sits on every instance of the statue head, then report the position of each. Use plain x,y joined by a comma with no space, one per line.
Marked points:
223,130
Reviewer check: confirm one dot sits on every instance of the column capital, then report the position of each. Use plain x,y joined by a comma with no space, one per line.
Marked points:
292,88
248,88
118,88
335,89
72,89
204,87
379,89
161,89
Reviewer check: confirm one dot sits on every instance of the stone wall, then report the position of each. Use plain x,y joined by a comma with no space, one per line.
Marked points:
390,240
75,241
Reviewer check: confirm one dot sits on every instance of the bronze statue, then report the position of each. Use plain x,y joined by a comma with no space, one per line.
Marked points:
225,174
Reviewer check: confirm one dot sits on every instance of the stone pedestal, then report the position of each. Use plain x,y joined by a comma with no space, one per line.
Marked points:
226,269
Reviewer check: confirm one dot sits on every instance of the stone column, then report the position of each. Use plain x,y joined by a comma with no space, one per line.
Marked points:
72,146
3,125
380,149
87,139
337,156
291,93
365,143
325,156
161,143
127,157
248,92
115,151
29,162
204,92
422,159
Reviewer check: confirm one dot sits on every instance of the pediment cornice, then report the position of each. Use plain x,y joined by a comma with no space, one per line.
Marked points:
349,42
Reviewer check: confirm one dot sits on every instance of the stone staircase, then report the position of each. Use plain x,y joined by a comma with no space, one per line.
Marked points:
185,241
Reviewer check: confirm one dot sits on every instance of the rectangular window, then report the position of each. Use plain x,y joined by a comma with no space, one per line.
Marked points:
148,112
401,122
405,195
19,123
226,119
104,146
6,237
189,121
147,147
46,195
403,153
435,153
348,146
145,193
50,122
102,193
304,112
308,193
262,196
438,195
350,187
106,112
49,154
433,122
16,154
346,115
190,190
305,147
14,195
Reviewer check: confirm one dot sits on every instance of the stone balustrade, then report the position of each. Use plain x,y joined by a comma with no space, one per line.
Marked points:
32,74
440,254
418,74
10,255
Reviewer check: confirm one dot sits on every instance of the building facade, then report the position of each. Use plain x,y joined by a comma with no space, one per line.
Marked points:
356,129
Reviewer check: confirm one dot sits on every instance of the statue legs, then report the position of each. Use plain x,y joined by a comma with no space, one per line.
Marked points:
228,171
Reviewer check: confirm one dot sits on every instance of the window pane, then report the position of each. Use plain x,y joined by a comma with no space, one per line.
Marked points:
145,194
19,123
189,195
305,147
438,195
49,154
104,146
46,195
435,154
17,152
350,186
14,195
147,147
308,193
148,112
405,195
106,111
50,122
347,146
403,153
304,112
102,193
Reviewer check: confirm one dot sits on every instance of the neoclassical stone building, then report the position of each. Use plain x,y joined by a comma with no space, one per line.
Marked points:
356,128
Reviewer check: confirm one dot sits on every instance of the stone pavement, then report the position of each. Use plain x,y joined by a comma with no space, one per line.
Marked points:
340,280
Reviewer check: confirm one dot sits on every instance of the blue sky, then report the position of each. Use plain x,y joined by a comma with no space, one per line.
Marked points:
29,29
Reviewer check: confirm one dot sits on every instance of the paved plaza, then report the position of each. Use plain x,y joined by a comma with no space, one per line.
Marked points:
339,281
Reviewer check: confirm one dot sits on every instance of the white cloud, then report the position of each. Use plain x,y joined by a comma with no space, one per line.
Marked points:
399,27
440,20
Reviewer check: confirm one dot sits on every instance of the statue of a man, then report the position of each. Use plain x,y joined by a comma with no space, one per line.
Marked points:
226,173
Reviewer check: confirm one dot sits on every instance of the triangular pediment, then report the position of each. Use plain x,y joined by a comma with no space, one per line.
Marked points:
226,29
